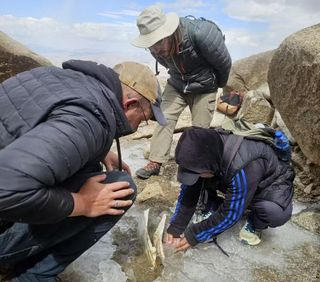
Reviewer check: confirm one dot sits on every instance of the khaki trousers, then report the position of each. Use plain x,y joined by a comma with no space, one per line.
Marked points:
173,103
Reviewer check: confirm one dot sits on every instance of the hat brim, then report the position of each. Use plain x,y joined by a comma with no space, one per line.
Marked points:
187,177
158,114
169,27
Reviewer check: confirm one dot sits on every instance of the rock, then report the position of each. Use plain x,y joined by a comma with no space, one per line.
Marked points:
148,248
218,117
16,58
294,83
309,220
264,89
151,191
308,189
249,73
255,108
146,152
184,121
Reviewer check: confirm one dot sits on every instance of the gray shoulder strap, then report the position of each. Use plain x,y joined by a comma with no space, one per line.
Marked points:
230,149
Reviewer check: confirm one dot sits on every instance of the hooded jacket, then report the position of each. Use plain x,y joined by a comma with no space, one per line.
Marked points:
255,173
203,62
54,123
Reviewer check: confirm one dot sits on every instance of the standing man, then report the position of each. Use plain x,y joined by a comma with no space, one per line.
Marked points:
198,62
56,127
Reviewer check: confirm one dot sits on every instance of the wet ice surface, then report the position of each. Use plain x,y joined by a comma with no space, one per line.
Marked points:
206,262
95,265
287,253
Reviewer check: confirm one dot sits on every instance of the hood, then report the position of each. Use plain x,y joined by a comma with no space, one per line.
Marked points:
110,79
199,150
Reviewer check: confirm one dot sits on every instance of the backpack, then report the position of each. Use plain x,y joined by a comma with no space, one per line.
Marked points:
229,103
258,132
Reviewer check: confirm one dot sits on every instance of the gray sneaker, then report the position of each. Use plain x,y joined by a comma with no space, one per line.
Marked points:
249,235
152,168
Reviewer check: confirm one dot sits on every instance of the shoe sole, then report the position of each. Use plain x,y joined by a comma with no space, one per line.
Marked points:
253,243
143,176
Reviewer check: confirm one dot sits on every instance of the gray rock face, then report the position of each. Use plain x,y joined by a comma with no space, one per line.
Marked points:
16,58
249,73
309,219
295,88
255,108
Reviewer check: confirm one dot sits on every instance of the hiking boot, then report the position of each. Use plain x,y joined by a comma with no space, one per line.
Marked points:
152,168
249,235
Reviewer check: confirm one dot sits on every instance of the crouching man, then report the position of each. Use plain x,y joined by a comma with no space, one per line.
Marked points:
56,127
249,175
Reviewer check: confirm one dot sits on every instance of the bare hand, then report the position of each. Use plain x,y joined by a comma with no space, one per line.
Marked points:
180,243
111,162
183,244
95,199
170,240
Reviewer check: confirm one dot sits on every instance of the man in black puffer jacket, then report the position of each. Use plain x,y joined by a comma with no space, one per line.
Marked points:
198,62
56,127
250,177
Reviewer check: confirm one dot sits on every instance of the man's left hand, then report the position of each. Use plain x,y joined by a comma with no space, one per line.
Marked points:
111,162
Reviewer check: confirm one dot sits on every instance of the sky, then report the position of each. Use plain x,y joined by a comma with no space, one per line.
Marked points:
101,30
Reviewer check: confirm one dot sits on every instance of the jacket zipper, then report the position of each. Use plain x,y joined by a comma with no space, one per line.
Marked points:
187,85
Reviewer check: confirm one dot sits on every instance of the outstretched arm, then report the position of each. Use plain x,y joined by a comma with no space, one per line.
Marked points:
186,205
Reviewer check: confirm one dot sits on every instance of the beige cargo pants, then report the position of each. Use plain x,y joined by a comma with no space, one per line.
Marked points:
173,103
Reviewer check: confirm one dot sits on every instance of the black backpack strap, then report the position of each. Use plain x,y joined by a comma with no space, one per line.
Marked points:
119,154
230,149
157,69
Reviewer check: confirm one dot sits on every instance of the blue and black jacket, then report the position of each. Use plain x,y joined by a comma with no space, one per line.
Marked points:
254,174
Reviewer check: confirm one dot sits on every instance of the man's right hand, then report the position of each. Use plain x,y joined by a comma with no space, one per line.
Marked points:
95,199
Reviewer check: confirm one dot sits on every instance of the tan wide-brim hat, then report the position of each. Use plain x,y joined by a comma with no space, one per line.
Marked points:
154,26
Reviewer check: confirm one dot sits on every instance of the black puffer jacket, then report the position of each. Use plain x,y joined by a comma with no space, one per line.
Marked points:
203,63
53,124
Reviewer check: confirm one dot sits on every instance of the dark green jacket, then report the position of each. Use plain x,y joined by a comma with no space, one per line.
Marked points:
203,63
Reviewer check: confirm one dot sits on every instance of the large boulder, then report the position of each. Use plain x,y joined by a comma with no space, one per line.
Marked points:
294,83
16,58
249,73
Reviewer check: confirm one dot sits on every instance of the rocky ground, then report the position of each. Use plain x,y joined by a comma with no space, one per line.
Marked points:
288,253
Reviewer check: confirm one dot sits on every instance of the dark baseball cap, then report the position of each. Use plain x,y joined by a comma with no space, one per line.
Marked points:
187,177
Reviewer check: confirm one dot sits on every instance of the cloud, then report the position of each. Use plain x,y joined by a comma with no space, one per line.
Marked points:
183,4
48,37
183,7
252,10
51,33
120,15
291,12
276,19
250,26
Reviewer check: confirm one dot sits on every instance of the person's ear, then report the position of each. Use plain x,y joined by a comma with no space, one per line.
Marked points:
129,102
